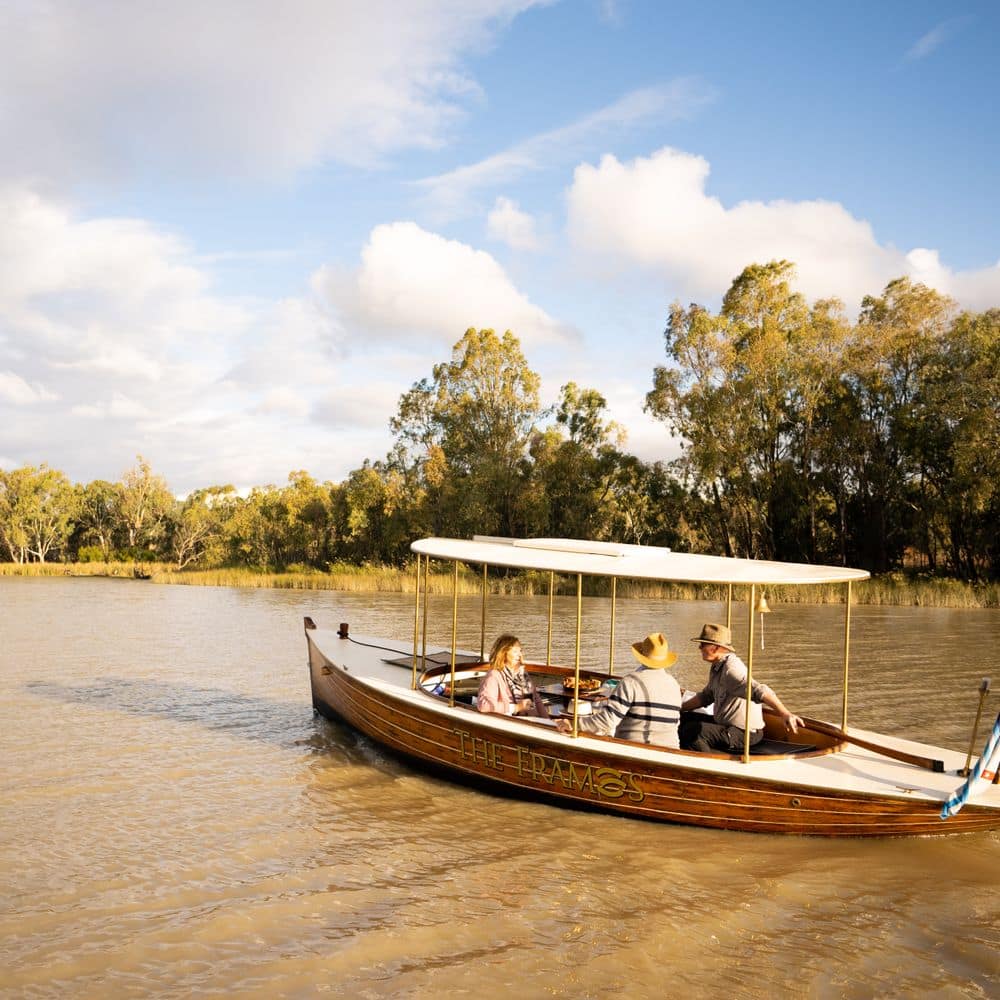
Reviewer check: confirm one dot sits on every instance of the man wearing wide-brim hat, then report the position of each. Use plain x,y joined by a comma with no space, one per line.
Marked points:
646,704
726,691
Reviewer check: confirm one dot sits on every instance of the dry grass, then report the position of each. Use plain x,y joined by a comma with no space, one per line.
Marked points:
121,570
894,589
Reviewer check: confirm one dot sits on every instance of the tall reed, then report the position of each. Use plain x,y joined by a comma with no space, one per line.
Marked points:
894,589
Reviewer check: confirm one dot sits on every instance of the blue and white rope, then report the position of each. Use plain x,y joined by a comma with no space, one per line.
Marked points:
961,795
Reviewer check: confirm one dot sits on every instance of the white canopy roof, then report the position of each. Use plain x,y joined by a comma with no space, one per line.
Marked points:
572,556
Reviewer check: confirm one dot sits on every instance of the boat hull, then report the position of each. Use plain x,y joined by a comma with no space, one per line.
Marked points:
519,757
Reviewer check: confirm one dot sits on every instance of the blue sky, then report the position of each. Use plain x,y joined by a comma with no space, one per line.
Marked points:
235,233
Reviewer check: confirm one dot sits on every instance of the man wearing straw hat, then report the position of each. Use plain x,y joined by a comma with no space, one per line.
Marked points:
726,690
646,705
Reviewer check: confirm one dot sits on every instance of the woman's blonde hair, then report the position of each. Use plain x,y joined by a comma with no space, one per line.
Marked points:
498,654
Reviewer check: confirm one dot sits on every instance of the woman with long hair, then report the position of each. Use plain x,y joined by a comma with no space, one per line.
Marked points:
505,688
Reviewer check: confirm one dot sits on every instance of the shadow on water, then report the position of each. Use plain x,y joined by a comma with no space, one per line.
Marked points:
248,717
287,725
283,724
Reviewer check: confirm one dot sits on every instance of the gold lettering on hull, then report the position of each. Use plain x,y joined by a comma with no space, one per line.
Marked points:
600,782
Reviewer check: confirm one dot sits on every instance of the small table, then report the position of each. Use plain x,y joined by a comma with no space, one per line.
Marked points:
563,699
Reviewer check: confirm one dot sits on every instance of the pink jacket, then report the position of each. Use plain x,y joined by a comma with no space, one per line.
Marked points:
494,694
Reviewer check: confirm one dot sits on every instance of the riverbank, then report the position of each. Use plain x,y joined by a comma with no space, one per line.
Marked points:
896,589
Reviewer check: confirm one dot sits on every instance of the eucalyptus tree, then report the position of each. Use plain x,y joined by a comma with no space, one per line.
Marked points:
377,522
899,341
732,394
14,502
308,529
144,503
98,520
649,505
814,524
956,445
574,463
198,526
467,429
37,507
694,395
253,533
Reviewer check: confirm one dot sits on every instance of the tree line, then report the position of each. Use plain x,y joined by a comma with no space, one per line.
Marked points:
804,437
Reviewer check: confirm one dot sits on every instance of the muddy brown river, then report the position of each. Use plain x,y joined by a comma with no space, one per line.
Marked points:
177,822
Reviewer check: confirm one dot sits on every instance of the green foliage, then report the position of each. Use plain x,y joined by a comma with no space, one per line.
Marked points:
37,508
804,438
464,433
807,439
143,503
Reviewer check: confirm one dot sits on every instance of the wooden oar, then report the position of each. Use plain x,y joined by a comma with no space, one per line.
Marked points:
907,758
984,690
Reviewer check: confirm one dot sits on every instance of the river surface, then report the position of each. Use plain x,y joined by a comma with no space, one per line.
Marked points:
176,822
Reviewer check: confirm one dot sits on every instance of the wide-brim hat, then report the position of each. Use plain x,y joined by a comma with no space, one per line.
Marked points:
717,635
654,651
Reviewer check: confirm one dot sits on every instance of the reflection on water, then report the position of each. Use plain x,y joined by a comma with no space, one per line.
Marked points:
177,822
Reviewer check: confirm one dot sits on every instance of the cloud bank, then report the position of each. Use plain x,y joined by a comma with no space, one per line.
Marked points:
508,224
240,86
115,342
655,213
416,285
453,194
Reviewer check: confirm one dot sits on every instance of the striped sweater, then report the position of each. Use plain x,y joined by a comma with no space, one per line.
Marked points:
645,707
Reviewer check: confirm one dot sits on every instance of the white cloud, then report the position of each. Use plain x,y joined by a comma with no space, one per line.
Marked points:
283,399
107,87
610,11
413,283
451,194
647,438
89,289
124,361
934,38
654,212
367,405
124,407
113,342
508,224
293,342
977,290
16,390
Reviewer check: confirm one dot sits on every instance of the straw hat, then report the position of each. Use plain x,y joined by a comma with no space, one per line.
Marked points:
653,651
717,635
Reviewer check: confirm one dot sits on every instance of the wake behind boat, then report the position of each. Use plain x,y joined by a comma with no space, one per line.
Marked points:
825,780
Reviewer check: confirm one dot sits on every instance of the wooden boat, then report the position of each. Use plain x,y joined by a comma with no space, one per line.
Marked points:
829,780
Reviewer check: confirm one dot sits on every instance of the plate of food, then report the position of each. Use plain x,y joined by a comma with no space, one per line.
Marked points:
588,685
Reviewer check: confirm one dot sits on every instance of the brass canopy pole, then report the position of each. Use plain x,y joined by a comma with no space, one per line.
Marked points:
579,626
729,607
746,722
482,623
423,647
416,621
611,651
548,644
847,652
454,629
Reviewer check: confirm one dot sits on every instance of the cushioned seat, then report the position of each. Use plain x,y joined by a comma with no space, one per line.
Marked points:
777,747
